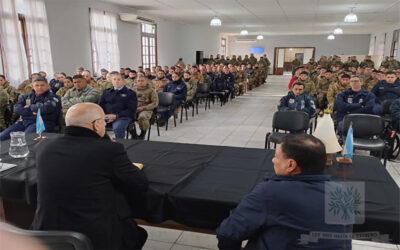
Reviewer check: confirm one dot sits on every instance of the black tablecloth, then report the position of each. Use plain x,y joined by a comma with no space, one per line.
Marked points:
197,185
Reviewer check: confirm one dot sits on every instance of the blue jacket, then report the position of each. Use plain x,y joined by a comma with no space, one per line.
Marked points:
48,103
349,102
302,102
385,91
55,85
212,75
278,211
178,88
122,103
223,82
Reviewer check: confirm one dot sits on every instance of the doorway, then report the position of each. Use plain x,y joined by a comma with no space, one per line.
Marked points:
284,56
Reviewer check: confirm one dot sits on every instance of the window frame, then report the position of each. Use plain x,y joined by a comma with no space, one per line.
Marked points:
143,35
24,34
223,46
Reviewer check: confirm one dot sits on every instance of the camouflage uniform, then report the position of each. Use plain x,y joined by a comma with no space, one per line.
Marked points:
104,85
252,60
233,61
246,61
367,63
309,86
323,85
240,81
94,85
148,99
369,83
62,91
129,83
159,84
207,79
4,104
211,61
198,77
11,91
323,63
333,91
311,66
74,96
393,65
295,63
191,89
354,63
25,88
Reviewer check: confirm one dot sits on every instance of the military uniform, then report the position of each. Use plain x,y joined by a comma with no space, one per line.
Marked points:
105,85
191,86
309,86
233,61
147,99
211,61
302,102
295,63
333,91
323,63
369,83
159,84
197,77
393,65
311,66
62,91
11,91
207,79
323,85
354,63
367,63
25,87
94,85
246,61
4,104
74,96
240,80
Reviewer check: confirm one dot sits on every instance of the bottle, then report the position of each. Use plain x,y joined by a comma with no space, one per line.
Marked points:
18,147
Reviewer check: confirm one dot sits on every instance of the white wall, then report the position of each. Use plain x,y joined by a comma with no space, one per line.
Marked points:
343,44
70,36
380,37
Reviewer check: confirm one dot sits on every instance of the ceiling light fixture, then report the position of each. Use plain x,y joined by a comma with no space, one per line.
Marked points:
351,17
215,22
244,32
260,37
338,31
331,37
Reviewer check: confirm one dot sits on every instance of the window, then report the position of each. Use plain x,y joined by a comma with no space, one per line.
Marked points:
395,43
223,46
105,50
148,33
24,35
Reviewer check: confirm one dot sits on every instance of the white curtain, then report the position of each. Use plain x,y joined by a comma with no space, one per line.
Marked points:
38,36
12,44
104,41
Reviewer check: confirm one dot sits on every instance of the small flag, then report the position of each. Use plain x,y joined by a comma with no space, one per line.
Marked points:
39,124
348,145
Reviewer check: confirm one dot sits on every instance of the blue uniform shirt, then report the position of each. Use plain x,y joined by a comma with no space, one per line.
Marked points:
302,102
349,102
179,88
122,103
385,91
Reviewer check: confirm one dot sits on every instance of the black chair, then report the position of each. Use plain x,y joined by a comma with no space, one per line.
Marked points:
288,121
186,105
367,131
165,101
202,93
386,110
54,240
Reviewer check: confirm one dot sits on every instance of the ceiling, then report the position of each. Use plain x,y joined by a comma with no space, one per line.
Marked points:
274,17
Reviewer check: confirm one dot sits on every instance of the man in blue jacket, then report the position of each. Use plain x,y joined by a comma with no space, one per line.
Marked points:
388,89
28,106
224,82
353,100
287,205
296,99
179,88
119,104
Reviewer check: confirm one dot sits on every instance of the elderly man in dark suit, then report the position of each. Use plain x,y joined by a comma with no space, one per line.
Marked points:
80,179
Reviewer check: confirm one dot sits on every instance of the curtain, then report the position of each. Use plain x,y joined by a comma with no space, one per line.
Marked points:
38,36
12,44
105,51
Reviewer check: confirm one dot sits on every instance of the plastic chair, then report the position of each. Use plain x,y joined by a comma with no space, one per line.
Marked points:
288,121
202,93
165,101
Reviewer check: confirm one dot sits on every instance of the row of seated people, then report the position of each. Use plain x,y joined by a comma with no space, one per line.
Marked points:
122,95
347,96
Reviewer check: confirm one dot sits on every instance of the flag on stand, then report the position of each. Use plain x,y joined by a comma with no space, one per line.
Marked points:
348,145
39,124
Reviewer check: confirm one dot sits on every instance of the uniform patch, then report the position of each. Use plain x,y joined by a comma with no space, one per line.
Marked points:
53,103
124,95
350,100
360,101
291,101
55,99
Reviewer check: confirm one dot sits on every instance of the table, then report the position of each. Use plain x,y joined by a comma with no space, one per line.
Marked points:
197,185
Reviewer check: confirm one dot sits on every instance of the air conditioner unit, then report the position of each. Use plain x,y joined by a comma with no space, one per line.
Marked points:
132,18
246,40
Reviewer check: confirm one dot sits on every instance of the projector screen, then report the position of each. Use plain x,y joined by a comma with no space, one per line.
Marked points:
257,50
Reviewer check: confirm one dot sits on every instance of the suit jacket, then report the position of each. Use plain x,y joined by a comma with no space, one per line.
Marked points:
78,178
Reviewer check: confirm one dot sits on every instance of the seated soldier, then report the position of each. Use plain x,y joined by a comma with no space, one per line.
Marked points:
353,100
57,82
177,87
103,76
28,106
196,75
119,104
309,86
206,77
224,82
105,84
160,81
191,85
147,73
388,89
273,216
78,71
323,87
11,91
68,84
81,92
147,101
86,74
296,99
26,86
336,88
4,106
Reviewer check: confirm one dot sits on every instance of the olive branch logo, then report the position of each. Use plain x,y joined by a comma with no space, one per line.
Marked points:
344,202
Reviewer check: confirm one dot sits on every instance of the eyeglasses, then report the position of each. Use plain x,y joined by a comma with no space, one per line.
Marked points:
106,120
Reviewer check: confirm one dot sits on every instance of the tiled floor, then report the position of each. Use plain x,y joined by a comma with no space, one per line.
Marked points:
243,122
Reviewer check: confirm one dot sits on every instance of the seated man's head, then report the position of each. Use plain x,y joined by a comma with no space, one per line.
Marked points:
194,69
2,80
104,73
79,82
68,82
35,75
61,77
299,153
116,79
367,71
132,74
356,83
42,74
79,71
86,74
126,71
40,85
304,75
186,76
380,75
226,70
344,80
390,77
328,74
87,115
141,81
298,88
175,77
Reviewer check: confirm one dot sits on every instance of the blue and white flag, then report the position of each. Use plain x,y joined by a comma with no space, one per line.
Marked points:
348,145
39,124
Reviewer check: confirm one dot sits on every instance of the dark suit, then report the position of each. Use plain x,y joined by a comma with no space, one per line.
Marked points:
78,175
